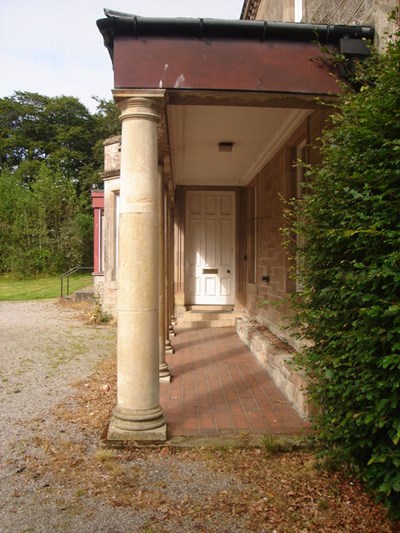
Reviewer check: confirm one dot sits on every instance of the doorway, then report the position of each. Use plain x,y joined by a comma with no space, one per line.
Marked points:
210,247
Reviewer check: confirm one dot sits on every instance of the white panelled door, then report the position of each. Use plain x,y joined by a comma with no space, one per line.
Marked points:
210,245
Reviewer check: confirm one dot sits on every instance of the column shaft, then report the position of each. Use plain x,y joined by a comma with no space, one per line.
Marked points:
138,415
164,372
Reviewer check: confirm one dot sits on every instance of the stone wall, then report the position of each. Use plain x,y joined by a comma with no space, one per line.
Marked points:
276,10
348,12
112,162
111,194
276,358
354,12
98,285
268,288
339,12
270,274
112,154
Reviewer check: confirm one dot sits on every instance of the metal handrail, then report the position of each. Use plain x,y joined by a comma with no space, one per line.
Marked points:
67,275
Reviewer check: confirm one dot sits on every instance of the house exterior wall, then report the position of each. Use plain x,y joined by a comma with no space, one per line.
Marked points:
276,10
112,161
270,275
349,12
269,283
374,12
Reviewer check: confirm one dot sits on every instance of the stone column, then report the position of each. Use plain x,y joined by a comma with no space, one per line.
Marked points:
179,251
169,349
164,372
138,415
169,237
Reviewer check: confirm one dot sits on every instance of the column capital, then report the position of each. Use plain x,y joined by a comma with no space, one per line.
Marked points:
140,103
138,107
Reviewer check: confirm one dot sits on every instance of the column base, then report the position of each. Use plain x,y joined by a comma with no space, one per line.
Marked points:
171,331
137,425
164,373
169,349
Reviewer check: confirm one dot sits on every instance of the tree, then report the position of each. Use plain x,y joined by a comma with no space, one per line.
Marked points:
349,259
50,155
38,128
107,124
41,227
13,199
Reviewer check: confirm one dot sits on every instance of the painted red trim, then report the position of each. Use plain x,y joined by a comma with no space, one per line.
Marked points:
270,66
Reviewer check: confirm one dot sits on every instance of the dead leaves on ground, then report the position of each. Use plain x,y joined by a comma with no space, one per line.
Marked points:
282,492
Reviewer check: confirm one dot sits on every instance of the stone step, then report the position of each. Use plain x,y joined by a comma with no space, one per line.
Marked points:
209,317
205,315
82,295
222,323
210,308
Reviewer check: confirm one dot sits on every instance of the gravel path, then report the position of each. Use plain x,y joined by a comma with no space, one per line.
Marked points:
45,349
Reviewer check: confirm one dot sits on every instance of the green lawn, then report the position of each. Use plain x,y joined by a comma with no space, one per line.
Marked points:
39,287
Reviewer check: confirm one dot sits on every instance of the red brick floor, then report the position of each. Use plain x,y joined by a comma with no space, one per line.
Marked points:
219,387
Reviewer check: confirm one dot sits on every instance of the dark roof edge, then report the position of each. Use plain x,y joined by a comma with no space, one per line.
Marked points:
118,23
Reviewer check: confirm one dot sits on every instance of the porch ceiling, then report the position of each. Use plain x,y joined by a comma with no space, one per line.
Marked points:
256,133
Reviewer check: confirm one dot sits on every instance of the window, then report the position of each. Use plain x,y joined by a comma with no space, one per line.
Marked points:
251,234
114,269
300,185
301,156
101,241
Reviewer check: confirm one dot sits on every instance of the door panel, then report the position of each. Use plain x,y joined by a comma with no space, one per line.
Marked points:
210,257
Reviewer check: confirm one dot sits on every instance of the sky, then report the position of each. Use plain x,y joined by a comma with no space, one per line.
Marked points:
53,47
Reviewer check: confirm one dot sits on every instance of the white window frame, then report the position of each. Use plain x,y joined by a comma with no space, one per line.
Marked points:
115,233
101,241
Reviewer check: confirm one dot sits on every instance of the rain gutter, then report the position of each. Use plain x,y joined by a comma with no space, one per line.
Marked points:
123,24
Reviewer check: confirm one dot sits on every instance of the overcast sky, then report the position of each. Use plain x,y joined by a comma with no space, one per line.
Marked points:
53,47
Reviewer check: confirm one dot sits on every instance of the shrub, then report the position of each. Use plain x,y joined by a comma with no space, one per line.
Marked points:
349,261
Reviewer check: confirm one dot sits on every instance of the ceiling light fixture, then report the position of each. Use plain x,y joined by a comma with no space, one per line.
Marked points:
225,146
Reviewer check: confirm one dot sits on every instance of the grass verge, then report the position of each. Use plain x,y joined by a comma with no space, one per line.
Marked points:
39,287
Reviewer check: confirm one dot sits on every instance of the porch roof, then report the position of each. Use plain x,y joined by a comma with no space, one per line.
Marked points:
230,55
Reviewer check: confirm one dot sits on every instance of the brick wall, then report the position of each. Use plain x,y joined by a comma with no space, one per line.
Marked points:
270,254
273,184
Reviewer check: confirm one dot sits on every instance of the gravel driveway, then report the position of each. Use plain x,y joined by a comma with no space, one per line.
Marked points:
46,348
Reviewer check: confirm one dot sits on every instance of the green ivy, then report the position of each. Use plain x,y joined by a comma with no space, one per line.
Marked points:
349,261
